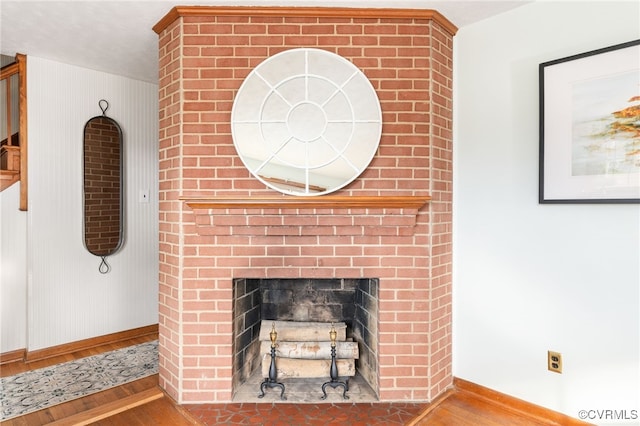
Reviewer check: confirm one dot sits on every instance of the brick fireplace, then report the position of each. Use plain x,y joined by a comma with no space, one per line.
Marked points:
219,225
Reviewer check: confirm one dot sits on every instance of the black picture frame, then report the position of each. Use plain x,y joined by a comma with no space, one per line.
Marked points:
590,127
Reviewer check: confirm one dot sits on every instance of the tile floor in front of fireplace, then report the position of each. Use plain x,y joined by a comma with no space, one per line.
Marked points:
304,406
292,414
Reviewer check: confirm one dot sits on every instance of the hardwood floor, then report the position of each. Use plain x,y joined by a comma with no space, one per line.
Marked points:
91,402
468,404
142,403
11,368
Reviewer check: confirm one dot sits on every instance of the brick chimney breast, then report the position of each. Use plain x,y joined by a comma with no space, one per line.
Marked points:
205,53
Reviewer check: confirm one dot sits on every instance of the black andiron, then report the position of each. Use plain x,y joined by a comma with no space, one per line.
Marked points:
333,371
272,380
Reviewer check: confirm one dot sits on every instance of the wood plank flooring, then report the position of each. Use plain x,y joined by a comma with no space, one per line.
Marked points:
94,401
469,404
13,368
466,404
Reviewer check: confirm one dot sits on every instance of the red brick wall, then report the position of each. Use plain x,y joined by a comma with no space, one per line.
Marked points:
203,61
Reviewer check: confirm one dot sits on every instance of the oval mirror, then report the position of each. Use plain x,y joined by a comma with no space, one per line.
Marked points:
102,185
306,122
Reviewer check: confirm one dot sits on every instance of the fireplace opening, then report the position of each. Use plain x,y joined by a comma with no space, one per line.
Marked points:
353,301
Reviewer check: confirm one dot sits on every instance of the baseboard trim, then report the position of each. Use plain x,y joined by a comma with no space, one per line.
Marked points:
539,415
79,345
13,356
110,409
432,406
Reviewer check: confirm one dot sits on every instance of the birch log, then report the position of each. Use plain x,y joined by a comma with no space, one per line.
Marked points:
311,350
307,368
299,331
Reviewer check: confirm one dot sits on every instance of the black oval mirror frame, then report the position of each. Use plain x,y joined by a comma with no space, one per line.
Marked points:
102,185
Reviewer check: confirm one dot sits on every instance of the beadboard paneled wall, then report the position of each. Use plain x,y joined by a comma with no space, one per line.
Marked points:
13,271
68,298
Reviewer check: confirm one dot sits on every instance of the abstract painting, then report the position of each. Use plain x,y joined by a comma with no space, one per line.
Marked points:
590,127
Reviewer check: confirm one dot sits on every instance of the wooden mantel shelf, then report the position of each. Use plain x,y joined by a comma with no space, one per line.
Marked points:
312,202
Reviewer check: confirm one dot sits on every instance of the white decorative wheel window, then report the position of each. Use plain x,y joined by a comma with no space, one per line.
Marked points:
306,122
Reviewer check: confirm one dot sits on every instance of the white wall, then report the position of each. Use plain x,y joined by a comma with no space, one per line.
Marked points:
68,299
13,271
528,277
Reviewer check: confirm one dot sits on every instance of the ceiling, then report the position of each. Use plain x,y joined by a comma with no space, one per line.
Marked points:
117,36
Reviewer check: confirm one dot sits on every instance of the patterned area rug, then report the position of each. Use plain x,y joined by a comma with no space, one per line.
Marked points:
34,390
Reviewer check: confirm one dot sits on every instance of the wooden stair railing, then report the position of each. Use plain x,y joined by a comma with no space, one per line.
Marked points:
13,152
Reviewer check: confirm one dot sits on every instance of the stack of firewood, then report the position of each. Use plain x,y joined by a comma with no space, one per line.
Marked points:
303,349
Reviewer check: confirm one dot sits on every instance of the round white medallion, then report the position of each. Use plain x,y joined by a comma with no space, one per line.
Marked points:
306,122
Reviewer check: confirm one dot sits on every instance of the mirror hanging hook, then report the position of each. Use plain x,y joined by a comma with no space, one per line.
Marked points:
104,107
104,267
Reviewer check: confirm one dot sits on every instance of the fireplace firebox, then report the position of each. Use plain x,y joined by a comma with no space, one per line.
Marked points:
353,301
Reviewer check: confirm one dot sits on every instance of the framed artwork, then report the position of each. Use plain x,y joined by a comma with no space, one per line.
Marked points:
590,127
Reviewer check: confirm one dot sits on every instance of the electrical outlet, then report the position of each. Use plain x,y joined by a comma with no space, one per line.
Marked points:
554,361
